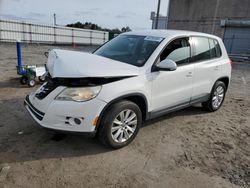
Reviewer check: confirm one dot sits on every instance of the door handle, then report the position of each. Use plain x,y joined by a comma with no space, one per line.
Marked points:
189,74
216,68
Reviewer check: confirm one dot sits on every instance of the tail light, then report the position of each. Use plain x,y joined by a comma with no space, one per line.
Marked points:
231,62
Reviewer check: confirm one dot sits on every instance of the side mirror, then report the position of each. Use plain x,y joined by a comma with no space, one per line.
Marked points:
167,65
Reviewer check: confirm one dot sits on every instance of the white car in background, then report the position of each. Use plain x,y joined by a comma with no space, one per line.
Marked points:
134,77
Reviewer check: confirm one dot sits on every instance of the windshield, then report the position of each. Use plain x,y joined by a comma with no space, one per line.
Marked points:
131,49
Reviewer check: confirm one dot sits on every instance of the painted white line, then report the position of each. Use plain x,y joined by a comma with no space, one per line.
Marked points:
244,80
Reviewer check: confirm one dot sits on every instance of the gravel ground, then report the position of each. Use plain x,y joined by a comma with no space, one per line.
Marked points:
188,148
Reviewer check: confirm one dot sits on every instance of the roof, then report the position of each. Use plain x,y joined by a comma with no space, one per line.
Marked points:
168,33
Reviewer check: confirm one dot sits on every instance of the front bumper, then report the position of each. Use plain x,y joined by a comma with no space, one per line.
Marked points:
32,110
58,114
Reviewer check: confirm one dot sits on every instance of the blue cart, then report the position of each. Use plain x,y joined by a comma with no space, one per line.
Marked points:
29,73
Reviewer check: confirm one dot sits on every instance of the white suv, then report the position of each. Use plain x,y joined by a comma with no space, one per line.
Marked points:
134,77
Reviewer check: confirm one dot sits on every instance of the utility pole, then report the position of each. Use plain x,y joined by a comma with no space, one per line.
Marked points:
166,25
54,19
157,14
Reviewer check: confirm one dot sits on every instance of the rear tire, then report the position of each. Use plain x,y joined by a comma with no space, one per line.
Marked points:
120,124
24,80
216,98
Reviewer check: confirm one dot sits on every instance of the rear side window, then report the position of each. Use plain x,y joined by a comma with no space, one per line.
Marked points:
215,50
202,49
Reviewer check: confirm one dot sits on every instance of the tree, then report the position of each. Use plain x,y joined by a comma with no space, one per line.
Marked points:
89,25
126,29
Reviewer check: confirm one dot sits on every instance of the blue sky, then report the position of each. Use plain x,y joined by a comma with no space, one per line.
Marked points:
108,13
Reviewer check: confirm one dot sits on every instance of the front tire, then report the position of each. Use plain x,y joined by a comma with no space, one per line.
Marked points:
120,124
31,82
217,97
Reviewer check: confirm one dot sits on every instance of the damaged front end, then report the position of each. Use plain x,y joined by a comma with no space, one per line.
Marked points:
53,83
77,69
73,64
71,99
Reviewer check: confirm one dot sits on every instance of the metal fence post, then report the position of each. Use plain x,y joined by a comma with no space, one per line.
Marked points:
30,33
54,35
72,36
0,30
104,37
91,36
23,31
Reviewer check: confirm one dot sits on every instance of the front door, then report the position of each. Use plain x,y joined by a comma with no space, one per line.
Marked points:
173,88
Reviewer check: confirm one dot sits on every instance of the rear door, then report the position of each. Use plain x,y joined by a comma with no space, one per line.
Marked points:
206,66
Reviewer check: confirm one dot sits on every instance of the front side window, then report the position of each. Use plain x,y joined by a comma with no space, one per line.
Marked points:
178,51
130,49
202,49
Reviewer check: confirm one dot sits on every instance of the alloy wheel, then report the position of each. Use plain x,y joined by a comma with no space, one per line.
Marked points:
218,97
124,126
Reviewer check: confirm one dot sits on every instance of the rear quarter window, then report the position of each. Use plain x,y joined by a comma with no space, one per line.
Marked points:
217,48
215,51
212,48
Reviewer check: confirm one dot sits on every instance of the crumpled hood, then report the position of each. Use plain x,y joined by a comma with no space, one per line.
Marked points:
73,64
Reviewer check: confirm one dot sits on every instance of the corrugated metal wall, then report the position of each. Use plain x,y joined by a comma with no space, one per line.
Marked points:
10,31
237,40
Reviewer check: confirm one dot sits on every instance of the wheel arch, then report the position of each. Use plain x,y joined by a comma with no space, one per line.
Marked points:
138,98
225,80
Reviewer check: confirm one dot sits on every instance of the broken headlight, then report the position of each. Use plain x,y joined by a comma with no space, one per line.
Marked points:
79,94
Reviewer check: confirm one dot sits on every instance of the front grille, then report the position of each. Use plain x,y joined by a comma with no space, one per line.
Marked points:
39,115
